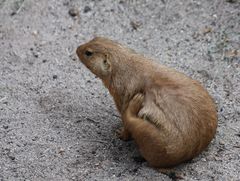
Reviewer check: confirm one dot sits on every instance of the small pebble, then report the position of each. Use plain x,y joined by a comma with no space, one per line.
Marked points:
61,151
50,139
11,157
231,1
36,54
34,138
35,32
13,13
73,12
238,134
119,175
5,126
73,57
44,61
207,30
54,76
135,25
221,142
87,9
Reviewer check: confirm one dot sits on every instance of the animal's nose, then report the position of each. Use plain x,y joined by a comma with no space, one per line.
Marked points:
78,51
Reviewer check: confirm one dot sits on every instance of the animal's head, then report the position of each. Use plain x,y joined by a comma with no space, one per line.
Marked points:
96,55
103,56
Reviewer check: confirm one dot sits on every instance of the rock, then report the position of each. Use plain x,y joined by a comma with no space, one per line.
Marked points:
35,138
5,126
238,134
73,57
221,142
87,9
35,32
36,54
205,74
55,77
207,30
231,1
61,151
73,12
232,53
135,25
11,157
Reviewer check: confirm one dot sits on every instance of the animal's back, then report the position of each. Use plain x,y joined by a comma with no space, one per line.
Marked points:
183,112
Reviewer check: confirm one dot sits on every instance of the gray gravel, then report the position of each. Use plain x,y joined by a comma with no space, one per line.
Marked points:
58,122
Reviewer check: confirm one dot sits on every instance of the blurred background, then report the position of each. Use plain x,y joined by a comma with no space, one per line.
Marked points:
58,122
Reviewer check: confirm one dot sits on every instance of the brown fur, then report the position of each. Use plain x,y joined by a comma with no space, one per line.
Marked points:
171,117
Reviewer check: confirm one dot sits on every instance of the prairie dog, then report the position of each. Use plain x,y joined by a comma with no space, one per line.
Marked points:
170,116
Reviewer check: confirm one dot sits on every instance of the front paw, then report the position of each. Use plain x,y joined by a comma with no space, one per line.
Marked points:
136,104
123,134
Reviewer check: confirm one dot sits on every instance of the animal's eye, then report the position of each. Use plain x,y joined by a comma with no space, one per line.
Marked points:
88,53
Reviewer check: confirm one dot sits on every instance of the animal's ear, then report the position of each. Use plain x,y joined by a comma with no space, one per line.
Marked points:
106,64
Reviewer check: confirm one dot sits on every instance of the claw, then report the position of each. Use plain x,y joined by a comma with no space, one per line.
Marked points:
122,134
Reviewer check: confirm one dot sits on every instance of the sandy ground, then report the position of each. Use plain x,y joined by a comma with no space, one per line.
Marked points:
58,122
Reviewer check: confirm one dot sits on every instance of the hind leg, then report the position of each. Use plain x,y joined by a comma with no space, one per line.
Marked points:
123,133
146,135
134,106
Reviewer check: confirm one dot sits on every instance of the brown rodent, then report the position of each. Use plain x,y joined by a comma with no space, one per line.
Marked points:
170,116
